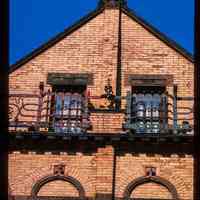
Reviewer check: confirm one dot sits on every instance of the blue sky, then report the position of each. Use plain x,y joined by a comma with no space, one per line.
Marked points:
34,22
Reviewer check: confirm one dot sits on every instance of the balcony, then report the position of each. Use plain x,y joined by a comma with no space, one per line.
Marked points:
60,113
155,114
70,114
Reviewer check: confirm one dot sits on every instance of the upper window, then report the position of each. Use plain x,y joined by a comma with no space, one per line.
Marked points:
68,103
147,108
68,108
68,100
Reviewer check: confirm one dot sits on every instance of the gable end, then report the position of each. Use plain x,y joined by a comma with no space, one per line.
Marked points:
90,16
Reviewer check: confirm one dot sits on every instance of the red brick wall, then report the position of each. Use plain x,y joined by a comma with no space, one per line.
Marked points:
107,122
175,169
95,173
60,188
26,169
151,190
93,49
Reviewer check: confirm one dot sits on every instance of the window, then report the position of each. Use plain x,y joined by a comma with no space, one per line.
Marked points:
59,169
69,113
148,107
68,108
150,171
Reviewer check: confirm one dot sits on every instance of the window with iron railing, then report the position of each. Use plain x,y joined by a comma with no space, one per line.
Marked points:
64,110
147,108
68,109
152,110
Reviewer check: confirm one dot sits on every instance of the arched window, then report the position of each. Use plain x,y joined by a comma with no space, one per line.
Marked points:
163,183
50,179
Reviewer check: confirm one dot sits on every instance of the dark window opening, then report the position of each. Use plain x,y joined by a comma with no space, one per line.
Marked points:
148,89
150,171
69,88
59,169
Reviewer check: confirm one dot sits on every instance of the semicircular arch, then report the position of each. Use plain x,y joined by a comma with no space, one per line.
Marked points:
40,183
150,179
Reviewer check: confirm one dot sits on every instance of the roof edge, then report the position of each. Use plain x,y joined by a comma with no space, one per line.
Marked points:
171,43
56,39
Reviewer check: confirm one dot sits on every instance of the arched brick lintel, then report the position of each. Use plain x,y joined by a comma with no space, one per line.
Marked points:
38,185
147,179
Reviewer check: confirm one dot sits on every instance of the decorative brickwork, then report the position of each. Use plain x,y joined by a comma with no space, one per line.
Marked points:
101,49
154,179
38,186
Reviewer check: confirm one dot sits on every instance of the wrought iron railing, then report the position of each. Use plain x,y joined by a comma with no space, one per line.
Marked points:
49,111
69,113
159,113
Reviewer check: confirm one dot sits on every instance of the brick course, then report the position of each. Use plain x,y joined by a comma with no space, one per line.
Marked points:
95,173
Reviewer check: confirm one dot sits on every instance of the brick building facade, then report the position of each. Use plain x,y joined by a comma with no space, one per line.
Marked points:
103,111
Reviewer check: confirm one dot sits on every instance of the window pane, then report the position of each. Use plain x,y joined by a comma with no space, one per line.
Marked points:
58,104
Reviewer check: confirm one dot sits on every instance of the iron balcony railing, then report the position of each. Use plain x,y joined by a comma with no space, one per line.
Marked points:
62,113
69,113
159,113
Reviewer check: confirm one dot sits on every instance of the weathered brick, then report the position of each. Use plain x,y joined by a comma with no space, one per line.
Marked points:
93,49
